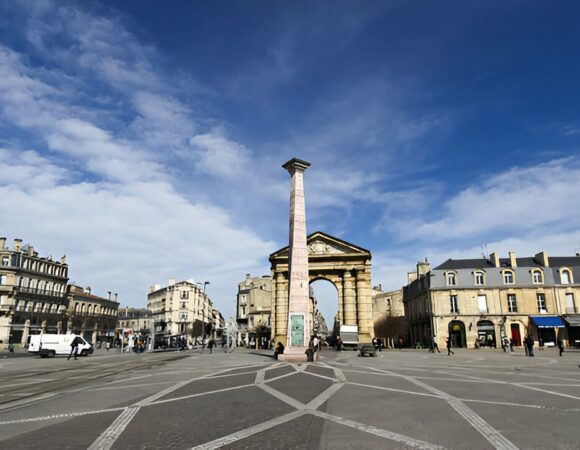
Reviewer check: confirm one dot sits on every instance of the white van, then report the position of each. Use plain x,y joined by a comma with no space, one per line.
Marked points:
349,336
57,344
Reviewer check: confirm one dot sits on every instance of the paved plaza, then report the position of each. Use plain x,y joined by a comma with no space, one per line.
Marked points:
244,400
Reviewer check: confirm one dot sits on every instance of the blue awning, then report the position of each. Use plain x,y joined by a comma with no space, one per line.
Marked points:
548,321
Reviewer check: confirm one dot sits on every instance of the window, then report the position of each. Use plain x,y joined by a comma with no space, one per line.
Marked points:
184,294
512,303
5,261
570,306
454,305
541,299
482,303
537,277
2,279
565,275
479,278
508,277
451,279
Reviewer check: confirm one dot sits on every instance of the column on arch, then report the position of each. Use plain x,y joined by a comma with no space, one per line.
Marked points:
337,281
364,305
349,299
281,318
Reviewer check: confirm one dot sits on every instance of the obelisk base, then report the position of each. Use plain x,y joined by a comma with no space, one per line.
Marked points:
296,354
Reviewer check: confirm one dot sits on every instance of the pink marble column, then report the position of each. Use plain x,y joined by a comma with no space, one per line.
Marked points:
299,313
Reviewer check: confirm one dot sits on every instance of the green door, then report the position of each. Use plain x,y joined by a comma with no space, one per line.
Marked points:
297,330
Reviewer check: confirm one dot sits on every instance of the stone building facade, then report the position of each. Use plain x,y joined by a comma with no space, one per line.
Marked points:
253,308
33,293
91,316
390,323
181,310
138,320
477,302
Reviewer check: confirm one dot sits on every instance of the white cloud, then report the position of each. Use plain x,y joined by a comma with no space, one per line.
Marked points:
220,156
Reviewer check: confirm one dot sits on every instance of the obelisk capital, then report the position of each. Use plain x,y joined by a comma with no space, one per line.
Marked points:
296,164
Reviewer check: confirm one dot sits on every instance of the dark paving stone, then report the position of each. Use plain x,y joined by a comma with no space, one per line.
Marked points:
310,433
301,387
187,423
374,379
321,371
212,384
278,372
79,432
425,418
240,370
532,428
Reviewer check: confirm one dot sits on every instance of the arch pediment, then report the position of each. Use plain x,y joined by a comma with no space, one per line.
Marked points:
321,244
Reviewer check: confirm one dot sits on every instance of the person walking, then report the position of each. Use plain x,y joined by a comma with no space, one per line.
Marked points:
74,348
210,346
435,345
338,344
530,346
108,345
526,345
512,345
560,346
449,351
11,348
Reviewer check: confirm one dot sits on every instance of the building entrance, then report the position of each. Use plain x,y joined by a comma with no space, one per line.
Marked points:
516,336
486,333
457,334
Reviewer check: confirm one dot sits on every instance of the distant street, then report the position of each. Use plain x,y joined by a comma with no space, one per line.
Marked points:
401,399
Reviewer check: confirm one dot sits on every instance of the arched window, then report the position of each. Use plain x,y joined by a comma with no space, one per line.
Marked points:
537,276
451,278
508,277
479,278
566,276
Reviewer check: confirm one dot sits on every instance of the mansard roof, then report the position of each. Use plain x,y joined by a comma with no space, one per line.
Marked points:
482,263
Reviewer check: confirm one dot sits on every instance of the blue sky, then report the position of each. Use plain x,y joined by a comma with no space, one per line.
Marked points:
145,140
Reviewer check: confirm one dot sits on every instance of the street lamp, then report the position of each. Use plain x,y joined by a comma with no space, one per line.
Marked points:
205,283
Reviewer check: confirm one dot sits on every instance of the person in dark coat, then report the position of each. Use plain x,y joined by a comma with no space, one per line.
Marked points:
449,351
530,346
279,350
560,346
74,347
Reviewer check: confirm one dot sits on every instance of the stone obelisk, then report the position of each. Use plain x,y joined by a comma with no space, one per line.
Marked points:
299,320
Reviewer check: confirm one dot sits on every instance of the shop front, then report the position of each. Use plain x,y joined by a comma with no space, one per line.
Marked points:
486,333
457,334
546,329
573,328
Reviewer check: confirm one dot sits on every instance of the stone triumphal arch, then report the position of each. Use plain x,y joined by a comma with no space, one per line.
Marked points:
345,265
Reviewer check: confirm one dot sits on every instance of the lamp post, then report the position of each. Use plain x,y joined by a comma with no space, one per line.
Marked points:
205,283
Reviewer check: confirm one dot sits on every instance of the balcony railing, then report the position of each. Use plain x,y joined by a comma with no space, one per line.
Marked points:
47,292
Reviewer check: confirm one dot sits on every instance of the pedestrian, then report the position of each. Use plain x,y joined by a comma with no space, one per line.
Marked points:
435,345
279,350
526,345
476,344
560,346
315,342
11,348
338,344
74,348
210,346
512,343
530,346
449,351
505,343
400,343
108,345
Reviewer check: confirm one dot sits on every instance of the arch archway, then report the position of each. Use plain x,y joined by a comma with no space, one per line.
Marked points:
345,265
457,334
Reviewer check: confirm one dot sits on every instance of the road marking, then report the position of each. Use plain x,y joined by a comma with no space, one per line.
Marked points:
112,388
521,405
319,376
106,440
409,441
260,375
37,380
545,390
185,397
493,436
60,416
320,399
249,431
394,390
280,396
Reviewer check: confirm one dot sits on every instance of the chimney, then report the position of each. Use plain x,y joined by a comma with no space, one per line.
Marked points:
63,259
494,258
423,268
542,258
88,290
248,276
411,276
513,260
109,292
17,245
30,250
116,297
2,243
171,282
